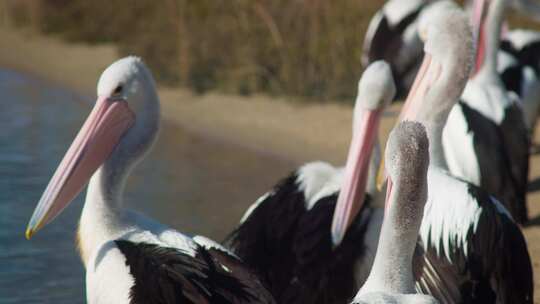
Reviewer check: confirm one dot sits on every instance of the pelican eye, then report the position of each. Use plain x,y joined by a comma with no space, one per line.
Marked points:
118,90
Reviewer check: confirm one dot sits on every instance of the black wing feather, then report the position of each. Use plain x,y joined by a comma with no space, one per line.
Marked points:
516,142
496,269
383,42
265,237
502,154
291,247
168,275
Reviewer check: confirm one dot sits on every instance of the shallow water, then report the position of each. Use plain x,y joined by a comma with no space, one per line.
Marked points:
195,184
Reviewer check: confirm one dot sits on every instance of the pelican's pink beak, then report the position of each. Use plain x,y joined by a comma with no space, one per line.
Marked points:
353,189
98,137
478,21
389,188
427,75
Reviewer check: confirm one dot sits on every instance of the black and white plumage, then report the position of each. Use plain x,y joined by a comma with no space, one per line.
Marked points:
128,257
171,275
291,246
519,62
392,36
287,235
471,249
486,140
391,278
519,67
472,252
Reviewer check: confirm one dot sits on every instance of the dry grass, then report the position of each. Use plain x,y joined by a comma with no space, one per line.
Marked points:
303,47
308,48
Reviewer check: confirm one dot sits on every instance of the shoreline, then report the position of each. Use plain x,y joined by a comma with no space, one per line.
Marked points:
294,131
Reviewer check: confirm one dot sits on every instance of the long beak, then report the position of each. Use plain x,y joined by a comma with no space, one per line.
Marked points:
478,21
427,75
98,137
351,196
389,188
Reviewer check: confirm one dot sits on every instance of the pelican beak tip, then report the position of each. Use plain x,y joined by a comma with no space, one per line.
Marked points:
29,233
336,240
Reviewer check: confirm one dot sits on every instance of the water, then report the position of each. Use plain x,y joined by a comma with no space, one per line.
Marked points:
195,184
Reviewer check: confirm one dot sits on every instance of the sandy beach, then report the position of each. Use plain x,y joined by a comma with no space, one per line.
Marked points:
283,128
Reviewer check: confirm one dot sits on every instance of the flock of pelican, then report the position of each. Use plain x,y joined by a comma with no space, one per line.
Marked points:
453,181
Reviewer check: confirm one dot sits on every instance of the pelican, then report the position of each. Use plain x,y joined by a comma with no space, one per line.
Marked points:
471,249
392,36
486,140
391,278
462,226
519,63
285,234
519,67
128,257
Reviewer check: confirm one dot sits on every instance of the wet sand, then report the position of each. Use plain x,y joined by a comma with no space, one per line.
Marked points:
278,129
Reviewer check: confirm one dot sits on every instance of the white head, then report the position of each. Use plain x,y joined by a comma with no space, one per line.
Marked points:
129,79
443,75
376,89
447,63
120,129
407,160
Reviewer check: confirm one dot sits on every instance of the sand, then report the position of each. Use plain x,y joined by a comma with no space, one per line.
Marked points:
284,128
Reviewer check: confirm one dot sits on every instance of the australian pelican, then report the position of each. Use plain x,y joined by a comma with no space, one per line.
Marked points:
486,141
130,258
285,234
471,249
391,279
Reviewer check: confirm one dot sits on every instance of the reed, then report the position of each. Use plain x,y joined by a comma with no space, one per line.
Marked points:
307,48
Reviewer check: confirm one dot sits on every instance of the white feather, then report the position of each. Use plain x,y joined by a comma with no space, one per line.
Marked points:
449,215
520,38
504,61
397,10
110,271
210,244
458,144
317,180
254,206
489,99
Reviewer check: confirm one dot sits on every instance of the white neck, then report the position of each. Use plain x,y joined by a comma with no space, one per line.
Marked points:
392,268
436,151
444,93
101,216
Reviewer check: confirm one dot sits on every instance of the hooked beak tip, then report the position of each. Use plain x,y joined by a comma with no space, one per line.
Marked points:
29,233
336,239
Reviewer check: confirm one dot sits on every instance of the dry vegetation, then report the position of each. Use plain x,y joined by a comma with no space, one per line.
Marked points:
308,48
301,47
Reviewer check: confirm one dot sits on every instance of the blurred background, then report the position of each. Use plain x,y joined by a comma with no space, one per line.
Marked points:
303,48
308,48
249,89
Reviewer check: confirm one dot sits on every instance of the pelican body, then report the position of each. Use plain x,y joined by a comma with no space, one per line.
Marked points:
519,67
288,236
392,36
128,257
472,250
